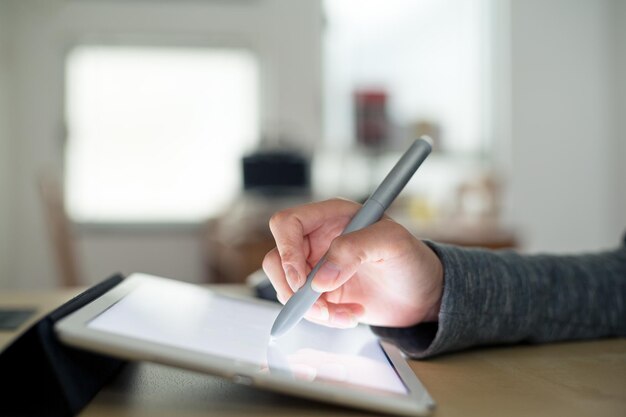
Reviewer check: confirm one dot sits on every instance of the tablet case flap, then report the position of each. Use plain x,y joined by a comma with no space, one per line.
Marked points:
39,376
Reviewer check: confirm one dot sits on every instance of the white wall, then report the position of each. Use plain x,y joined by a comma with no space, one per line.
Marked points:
284,33
618,174
6,201
567,99
563,130
176,253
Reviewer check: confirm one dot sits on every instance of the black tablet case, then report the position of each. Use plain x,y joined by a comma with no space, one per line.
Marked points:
39,376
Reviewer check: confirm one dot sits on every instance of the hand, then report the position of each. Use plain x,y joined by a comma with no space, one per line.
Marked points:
380,275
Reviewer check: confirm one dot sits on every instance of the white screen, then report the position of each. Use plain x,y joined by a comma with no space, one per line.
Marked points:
185,316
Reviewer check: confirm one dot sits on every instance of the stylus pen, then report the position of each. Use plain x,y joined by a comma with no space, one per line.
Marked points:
373,209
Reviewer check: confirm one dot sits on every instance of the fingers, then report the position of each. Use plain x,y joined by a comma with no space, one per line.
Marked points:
291,227
380,241
322,312
302,236
342,316
274,270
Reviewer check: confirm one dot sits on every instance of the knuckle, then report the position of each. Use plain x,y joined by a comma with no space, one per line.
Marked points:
337,200
398,237
280,218
287,255
344,202
345,248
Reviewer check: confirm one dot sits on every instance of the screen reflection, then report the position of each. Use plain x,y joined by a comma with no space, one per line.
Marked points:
182,315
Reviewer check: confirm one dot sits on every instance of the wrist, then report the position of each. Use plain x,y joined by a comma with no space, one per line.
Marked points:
433,314
437,274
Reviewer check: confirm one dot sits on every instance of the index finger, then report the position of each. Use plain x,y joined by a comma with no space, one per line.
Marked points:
291,227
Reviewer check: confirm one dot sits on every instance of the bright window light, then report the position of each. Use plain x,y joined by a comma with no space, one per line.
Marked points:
429,56
157,134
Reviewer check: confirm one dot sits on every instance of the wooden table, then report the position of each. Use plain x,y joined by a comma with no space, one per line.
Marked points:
565,379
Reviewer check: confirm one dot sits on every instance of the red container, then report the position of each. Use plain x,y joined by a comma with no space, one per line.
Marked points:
370,115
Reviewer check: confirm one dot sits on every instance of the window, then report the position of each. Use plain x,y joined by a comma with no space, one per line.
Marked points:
429,57
156,134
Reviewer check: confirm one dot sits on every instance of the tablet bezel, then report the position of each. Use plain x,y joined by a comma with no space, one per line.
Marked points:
74,330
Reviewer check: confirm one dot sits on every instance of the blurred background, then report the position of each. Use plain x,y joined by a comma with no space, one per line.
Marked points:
159,136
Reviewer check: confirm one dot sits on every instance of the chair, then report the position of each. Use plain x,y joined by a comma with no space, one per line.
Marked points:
59,231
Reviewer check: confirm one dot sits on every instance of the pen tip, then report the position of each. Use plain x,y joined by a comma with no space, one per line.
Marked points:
274,334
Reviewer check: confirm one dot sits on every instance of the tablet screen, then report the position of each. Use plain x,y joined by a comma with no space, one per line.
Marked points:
184,316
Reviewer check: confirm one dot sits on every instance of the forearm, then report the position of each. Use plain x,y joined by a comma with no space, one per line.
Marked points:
494,297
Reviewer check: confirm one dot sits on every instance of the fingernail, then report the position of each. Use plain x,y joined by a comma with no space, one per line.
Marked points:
344,319
282,299
325,277
292,278
319,312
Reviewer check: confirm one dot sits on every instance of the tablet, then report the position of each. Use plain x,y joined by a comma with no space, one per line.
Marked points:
180,324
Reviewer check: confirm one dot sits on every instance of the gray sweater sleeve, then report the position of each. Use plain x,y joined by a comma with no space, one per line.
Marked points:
498,297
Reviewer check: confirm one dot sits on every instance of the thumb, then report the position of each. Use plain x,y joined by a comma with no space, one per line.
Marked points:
348,252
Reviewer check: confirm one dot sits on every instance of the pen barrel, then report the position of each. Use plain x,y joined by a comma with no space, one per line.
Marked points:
401,173
369,214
